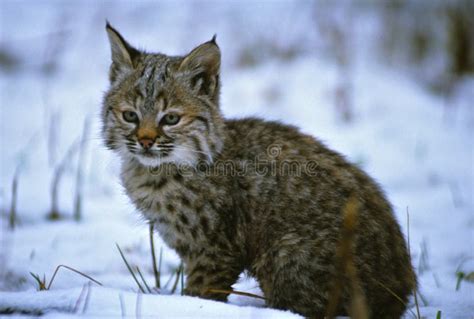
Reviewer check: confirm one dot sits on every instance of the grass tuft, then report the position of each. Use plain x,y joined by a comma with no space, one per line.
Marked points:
130,269
41,282
461,275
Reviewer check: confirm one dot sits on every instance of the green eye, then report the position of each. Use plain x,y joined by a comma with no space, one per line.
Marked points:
171,119
130,116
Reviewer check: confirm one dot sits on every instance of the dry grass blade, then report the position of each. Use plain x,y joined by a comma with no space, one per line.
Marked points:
122,306
21,162
423,299
390,291
13,213
52,121
79,300
178,273
138,306
73,270
80,172
130,269
423,263
143,280
159,262
58,173
156,272
182,282
88,298
168,281
235,292
409,254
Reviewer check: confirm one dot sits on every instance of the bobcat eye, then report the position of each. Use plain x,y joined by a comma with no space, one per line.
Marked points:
130,116
171,119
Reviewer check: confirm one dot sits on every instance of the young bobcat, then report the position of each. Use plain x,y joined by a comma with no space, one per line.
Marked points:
235,195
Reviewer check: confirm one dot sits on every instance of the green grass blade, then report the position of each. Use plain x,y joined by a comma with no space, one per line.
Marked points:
130,269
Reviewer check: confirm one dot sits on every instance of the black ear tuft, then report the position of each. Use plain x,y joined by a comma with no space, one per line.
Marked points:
203,64
124,55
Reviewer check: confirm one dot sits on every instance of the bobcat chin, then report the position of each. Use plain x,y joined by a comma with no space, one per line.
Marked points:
247,194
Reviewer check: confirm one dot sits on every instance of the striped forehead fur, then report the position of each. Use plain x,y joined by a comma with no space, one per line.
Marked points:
152,81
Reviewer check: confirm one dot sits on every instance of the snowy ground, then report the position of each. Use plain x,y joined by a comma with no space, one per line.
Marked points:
417,145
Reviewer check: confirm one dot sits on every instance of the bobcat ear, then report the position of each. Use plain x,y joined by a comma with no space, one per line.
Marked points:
203,64
123,54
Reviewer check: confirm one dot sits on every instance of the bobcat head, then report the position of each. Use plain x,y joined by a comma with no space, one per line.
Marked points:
163,109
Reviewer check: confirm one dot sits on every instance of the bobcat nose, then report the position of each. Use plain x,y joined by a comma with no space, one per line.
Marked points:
146,143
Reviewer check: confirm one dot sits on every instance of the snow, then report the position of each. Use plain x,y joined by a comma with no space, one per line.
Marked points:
417,145
98,301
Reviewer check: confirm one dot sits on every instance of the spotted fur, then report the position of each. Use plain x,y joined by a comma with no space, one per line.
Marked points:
282,228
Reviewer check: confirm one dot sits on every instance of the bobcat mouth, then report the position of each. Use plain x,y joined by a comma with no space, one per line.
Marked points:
168,153
156,153
148,154
152,158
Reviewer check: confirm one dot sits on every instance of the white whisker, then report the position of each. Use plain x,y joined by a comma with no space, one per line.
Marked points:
191,149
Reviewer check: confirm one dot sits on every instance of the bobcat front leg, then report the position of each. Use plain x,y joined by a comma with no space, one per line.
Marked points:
211,272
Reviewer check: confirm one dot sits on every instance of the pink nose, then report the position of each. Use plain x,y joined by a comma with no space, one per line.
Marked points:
146,143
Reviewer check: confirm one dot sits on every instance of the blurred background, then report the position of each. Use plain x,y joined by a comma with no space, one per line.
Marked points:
389,84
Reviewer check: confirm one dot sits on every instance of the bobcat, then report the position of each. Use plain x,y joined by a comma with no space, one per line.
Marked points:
245,195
